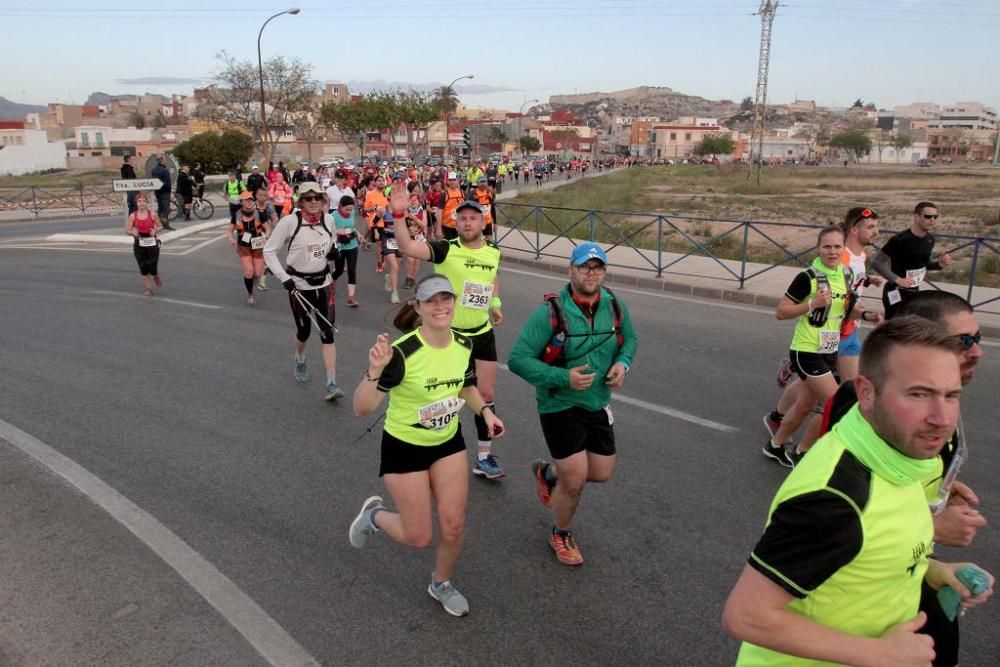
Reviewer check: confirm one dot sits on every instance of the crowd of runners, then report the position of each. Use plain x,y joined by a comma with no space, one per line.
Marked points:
874,483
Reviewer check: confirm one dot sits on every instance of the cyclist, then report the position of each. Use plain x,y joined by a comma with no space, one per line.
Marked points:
471,263
428,376
307,235
142,225
248,235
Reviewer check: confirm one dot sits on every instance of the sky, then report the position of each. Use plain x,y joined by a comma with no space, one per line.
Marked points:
832,51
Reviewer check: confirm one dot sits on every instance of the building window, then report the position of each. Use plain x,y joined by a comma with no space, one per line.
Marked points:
336,90
19,141
99,139
673,136
84,139
687,136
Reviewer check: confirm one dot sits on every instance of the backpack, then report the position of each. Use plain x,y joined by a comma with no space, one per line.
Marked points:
298,214
554,352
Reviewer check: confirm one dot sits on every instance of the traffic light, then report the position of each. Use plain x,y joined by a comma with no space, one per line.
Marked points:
467,139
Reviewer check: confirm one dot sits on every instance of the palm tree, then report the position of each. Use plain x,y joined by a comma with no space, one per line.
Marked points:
448,99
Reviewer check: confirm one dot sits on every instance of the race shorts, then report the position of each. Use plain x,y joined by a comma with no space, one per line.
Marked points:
484,345
850,346
812,364
400,457
575,430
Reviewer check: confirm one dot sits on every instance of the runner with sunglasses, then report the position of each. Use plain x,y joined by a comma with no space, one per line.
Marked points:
956,517
308,237
906,258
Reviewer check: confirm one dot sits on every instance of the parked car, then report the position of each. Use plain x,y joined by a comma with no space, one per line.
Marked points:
925,162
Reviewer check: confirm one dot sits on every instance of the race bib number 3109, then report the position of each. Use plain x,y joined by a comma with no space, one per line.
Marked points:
438,415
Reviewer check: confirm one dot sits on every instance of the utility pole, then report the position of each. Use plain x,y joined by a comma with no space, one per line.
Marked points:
996,151
767,10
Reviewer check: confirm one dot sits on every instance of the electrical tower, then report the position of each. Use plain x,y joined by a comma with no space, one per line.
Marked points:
767,10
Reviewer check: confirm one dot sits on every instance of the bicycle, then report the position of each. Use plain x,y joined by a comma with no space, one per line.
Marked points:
202,208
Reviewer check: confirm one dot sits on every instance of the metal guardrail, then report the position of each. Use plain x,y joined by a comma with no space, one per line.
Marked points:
745,241
36,200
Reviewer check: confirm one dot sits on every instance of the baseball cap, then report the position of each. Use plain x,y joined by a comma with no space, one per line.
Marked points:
246,194
435,284
469,204
452,176
586,252
340,173
482,179
310,186
254,167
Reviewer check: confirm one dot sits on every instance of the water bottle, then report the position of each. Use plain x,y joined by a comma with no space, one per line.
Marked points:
554,348
817,317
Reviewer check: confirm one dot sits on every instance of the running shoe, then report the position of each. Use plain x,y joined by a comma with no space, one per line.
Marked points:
409,283
772,427
351,302
542,486
394,297
776,453
361,527
379,267
565,548
453,602
785,373
333,392
488,468
147,292
793,455
388,282
156,279
262,284
301,372
250,300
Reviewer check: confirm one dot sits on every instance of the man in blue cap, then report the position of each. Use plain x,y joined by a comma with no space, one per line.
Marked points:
574,349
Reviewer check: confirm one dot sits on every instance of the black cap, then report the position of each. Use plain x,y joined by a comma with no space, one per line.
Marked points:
468,203
340,173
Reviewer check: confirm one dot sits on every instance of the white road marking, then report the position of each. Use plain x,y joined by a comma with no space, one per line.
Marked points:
236,607
157,298
62,247
663,295
664,410
203,244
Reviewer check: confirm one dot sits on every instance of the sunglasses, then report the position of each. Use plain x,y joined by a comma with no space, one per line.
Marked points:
968,340
599,269
868,213
930,217
309,198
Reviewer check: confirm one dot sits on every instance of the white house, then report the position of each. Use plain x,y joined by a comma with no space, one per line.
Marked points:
26,151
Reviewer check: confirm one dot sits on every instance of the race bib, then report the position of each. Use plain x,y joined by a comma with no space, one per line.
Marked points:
439,414
894,297
147,241
917,276
829,342
247,236
257,242
316,251
390,243
476,295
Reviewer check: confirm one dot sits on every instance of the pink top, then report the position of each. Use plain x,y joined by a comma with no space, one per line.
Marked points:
144,225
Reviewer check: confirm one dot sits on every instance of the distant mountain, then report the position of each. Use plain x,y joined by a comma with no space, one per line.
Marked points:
14,111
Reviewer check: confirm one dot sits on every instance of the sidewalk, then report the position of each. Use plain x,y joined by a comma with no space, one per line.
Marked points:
697,275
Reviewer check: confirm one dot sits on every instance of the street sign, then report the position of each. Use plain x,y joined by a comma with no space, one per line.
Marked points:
136,184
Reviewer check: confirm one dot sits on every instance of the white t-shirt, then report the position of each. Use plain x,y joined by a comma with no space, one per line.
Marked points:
335,194
857,265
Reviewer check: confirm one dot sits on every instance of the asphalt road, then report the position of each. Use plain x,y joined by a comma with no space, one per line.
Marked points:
186,405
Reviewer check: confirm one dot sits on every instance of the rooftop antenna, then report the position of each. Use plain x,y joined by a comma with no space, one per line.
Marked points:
768,8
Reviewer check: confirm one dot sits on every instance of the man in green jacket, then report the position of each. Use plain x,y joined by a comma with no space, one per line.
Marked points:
574,349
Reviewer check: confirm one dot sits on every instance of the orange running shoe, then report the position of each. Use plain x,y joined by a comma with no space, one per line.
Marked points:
542,485
566,550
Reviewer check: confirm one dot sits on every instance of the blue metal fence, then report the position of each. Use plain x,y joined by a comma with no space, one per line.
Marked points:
647,235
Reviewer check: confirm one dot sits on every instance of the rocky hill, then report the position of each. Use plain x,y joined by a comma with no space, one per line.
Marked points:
598,109
14,111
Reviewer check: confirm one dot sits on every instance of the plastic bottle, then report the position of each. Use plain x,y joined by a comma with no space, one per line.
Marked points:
818,315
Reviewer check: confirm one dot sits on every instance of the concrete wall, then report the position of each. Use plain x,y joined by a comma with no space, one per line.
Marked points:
36,154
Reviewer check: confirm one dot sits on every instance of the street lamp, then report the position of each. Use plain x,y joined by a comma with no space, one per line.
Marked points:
447,113
265,135
520,116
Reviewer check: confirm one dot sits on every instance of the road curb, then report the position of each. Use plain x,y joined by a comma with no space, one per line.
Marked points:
725,294
123,239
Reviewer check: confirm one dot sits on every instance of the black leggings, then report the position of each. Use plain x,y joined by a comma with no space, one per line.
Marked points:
233,210
148,258
322,300
350,258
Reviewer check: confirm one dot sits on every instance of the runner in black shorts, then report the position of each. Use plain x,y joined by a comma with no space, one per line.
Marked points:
574,365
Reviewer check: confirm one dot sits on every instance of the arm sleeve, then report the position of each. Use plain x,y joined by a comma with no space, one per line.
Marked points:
630,340
882,265
392,374
809,538
277,240
524,361
470,374
800,288
439,251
